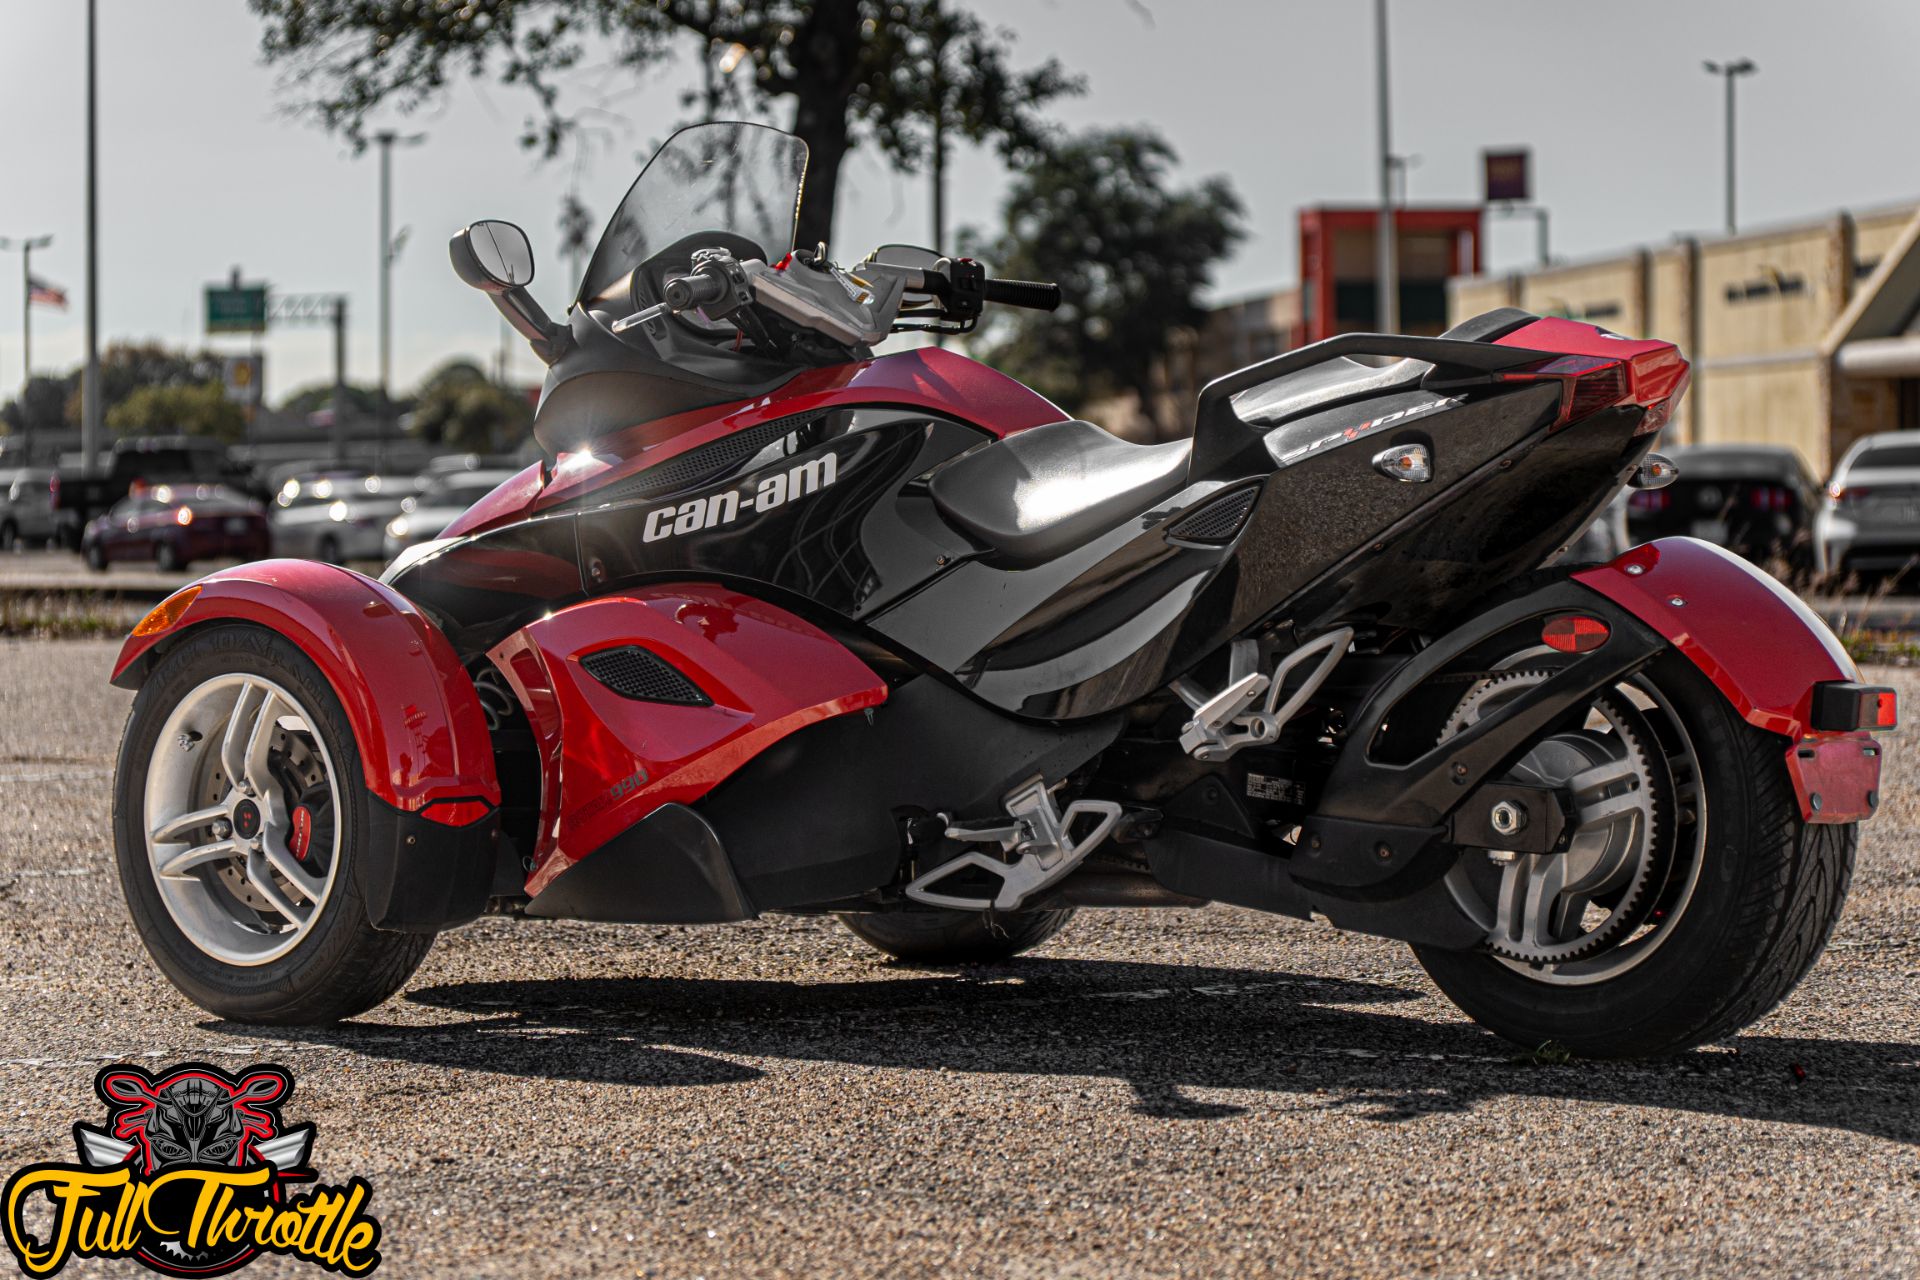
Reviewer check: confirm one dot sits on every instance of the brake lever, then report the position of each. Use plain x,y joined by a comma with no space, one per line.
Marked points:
658,311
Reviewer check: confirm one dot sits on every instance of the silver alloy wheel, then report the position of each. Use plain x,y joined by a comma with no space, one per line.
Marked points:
221,825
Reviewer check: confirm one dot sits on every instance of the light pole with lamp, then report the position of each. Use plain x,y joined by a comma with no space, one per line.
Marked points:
1729,72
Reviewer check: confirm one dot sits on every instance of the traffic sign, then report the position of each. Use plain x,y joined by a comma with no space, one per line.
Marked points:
242,376
237,308
1506,174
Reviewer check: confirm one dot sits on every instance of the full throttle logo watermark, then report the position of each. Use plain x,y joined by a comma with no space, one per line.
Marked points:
189,1176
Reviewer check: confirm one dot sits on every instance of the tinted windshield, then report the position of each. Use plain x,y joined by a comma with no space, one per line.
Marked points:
740,178
1888,456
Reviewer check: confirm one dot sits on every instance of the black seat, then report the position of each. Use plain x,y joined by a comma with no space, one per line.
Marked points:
1042,492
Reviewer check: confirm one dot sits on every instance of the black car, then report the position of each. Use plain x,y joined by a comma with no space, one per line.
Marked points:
1756,500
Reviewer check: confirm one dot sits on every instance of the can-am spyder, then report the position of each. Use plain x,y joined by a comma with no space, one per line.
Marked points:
779,624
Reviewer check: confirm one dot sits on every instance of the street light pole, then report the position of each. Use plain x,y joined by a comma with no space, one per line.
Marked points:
1386,267
386,138
26,247
1729,72
92,412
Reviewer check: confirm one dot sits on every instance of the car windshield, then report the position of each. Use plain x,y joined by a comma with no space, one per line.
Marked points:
740,178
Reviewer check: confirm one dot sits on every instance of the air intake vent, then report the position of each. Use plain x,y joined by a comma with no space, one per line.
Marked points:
633,672
695,467
1218,521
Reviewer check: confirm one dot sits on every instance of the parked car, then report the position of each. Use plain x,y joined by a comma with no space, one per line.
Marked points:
1758,501
336,516
1871,518
26,506
148,460
173,525
445,496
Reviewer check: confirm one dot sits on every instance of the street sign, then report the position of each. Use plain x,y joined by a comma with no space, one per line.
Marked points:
237,308
1507,174
242,376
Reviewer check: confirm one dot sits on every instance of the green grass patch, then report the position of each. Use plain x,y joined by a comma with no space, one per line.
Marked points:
66,615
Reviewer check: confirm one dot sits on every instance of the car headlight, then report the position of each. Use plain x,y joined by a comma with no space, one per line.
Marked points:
397,527
337,512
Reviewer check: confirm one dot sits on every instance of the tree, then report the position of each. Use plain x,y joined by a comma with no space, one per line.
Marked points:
42,404
856,71
459,408
200,409
125,368
1130,253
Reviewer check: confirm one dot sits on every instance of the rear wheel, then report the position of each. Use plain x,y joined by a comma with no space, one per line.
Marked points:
936,936
1691,899
9,536
239,818
167,559
97,557
329,550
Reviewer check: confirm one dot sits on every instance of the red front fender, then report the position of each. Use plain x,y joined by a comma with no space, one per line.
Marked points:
417,721
1763,648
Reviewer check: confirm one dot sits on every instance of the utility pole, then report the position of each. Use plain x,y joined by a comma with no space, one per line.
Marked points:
92,412
1729,72
388,251
1386,266
26,248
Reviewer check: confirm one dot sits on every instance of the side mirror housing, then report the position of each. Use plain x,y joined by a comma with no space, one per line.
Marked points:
496,258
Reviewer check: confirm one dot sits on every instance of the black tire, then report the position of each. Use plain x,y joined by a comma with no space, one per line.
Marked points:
96,557
940,937
344,966
1769,893
329,550
166,558
9,536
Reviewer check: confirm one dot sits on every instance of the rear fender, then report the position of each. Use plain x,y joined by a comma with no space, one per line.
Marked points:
416,719
1763,648
610,760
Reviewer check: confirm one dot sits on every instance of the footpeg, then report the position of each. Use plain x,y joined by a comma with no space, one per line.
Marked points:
1225,722
1039,838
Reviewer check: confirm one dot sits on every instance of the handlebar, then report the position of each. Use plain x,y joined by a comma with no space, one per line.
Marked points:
702,288
1024,293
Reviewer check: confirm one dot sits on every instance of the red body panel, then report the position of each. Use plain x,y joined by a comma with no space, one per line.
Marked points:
1760,645
925,378
1656,371
608,761
417,722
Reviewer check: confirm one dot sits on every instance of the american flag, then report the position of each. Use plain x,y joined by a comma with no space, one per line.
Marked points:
47,295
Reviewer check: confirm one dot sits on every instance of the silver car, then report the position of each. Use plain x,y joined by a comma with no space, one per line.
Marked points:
27,517
439,504
337,516
1871,518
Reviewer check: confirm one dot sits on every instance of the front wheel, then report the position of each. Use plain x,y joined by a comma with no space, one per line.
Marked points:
1688,907
239,823
940,936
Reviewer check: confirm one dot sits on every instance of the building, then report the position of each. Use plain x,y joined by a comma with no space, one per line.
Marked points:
1805,335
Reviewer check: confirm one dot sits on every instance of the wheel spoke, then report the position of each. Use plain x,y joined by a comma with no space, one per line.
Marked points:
173,829
260,876
282,860
259,736
176,866
1533,902
232,743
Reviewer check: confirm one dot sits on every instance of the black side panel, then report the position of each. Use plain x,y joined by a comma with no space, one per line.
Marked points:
811,819
668,868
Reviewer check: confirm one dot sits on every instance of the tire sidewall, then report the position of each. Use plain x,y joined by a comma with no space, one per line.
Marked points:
244,992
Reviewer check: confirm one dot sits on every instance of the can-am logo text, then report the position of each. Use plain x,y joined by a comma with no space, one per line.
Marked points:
757,497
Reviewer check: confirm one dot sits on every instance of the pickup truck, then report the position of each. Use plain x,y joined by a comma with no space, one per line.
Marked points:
78,498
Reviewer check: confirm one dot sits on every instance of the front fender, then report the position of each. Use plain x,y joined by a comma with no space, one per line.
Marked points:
1763,648
423,741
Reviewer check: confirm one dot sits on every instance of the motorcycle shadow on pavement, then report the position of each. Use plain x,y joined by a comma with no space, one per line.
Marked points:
1292,1040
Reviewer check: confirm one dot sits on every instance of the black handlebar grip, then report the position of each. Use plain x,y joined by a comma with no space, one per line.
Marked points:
684,293
1024,293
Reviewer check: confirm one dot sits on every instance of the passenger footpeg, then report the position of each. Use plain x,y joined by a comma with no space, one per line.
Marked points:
1037,844
1248,711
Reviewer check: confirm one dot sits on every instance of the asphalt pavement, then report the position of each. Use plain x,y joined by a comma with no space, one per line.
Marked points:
1206,1093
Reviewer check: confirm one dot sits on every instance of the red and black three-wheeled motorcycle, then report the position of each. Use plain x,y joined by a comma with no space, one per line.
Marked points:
779,624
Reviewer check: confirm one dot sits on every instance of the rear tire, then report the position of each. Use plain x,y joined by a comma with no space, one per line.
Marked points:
341,965
9,536
1769,892
97,558
166,558
329,551
940,937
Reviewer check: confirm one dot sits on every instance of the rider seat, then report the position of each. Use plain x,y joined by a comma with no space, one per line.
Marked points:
1045,491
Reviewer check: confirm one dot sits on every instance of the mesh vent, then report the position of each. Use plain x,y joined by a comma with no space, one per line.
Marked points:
1219,520
633,672
698,466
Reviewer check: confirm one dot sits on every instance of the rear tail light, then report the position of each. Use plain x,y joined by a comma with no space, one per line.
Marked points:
1840,706
1769,497
1588,384
1650,500
1844,493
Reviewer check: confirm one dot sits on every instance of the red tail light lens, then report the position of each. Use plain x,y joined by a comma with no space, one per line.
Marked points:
1588,384
1650,500
1845,493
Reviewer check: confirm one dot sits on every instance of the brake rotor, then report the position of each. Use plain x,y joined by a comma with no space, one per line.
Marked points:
1609,861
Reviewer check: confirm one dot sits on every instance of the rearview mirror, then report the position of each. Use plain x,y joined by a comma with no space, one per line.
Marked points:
493,256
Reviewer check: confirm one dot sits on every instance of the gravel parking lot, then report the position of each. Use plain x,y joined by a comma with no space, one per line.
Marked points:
1207,1093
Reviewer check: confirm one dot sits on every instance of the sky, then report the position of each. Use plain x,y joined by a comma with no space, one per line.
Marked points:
203,167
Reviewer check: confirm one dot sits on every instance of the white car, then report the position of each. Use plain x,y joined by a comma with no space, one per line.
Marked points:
336,516
439,504
1871,518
